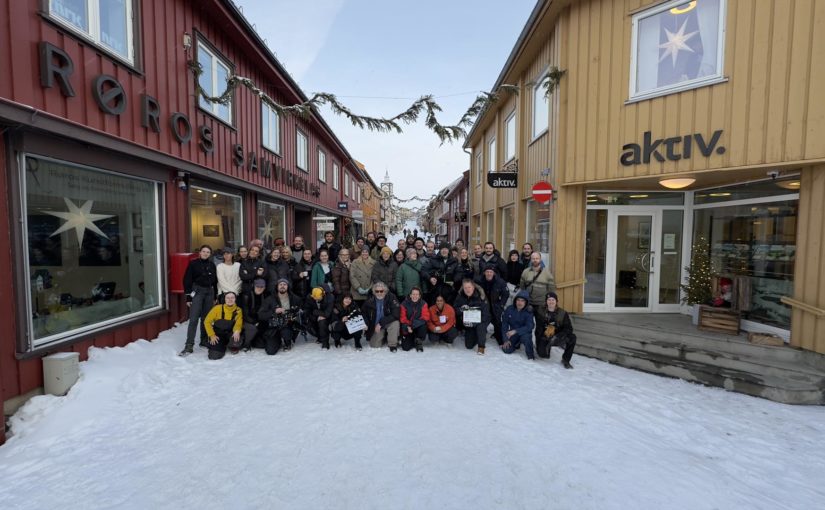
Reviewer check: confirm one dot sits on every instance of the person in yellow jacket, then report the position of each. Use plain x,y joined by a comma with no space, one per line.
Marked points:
223,325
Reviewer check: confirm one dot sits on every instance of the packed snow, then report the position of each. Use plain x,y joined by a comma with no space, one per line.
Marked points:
446,428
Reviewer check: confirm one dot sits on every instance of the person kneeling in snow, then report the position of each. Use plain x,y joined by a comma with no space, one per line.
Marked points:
344,310
318,308
280,313
414,318
382,315
442,322
555,329
517,326
223,326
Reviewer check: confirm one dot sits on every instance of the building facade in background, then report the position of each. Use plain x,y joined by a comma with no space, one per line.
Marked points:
112,164
677,126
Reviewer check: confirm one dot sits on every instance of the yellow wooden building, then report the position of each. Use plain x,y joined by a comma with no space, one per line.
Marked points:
677,125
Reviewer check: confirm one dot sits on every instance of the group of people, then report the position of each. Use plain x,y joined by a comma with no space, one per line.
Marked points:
402,297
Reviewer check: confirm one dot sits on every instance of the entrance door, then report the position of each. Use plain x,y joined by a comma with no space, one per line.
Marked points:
634,261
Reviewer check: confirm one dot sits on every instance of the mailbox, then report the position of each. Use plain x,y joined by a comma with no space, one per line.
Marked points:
178,262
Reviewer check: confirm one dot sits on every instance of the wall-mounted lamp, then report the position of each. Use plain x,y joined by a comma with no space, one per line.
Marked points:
677,183
182,180
187,41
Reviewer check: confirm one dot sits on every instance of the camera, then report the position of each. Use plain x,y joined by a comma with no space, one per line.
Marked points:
773,174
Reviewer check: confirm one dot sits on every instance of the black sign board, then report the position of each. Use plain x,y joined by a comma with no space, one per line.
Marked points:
343,206
502,179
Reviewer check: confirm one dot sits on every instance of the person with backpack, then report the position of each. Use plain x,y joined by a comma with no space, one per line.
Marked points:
223,325
537,280
517,324
555,329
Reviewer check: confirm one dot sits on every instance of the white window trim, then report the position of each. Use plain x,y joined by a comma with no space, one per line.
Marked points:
335,177
93,35
266,115
538,81
511,117
213,108
298,136
479,167
491,155
322,166
685,85
346,184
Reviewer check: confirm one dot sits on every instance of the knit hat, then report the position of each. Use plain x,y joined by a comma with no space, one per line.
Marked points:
551,295
260,282
283,280
317,293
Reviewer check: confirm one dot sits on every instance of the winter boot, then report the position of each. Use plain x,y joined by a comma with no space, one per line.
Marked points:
186,351
566,364
215,354
337,344
357,345
481,351
393,349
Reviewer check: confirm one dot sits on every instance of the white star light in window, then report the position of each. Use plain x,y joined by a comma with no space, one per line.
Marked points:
79,219
267,230
676,43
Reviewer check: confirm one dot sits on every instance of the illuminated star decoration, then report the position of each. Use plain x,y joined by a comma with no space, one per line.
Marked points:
676,43
79,219
267,229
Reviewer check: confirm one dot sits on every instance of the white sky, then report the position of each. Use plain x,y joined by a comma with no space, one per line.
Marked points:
388,50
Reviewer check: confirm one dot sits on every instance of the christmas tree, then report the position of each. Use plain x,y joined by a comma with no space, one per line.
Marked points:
698,287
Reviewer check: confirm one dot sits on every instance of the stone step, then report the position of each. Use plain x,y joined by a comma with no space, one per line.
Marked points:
778,373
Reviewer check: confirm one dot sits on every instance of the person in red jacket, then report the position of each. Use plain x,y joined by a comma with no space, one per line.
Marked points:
414,319
442,322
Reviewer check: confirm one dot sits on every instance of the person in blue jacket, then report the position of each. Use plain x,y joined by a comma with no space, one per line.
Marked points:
517,325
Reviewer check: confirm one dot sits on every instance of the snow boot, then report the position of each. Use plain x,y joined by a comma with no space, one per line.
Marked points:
215,354
481,351
337,344
566,364
186,351
357,345
393,349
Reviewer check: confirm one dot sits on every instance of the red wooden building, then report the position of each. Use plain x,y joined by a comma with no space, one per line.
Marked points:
111,165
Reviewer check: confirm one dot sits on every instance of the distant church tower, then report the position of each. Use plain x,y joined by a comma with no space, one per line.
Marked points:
386,186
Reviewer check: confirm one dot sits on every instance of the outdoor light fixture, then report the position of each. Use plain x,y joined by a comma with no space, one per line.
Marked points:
677,183
793,185
187,41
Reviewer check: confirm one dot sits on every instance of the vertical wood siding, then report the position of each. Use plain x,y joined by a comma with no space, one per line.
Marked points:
769,108
808,331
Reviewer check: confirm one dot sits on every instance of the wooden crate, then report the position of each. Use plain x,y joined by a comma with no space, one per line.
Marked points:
765,339
722,320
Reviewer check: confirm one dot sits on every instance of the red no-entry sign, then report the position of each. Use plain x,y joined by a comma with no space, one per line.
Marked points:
542,192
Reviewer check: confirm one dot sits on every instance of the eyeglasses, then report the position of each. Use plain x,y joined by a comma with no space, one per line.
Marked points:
378,291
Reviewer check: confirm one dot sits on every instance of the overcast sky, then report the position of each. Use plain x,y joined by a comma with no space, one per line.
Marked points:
390,49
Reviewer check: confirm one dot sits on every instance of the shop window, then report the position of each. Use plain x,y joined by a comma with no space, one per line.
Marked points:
336,170
271,221
491,227
271,128
216,219
541,107
93,248
756,241
676,46
595,256
215,73
508,230
538,228
510,137
107,23
302,152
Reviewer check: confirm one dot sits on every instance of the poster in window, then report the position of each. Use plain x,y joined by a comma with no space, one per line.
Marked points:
44,249
97,250
211,231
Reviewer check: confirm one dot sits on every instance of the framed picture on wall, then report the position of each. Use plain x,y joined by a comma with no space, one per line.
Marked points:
644,235
211,230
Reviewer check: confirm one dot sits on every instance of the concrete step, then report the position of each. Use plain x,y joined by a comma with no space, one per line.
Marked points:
777,373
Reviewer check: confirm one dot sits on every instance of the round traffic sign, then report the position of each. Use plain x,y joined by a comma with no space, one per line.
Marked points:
542,192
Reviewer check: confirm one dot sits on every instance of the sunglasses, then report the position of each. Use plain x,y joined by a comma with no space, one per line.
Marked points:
378,291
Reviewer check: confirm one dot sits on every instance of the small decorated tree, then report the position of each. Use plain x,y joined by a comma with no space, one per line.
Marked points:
698,287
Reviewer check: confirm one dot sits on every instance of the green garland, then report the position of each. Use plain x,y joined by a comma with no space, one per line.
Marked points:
409,116
553,79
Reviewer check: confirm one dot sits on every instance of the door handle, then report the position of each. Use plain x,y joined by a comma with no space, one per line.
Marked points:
642,262
651,262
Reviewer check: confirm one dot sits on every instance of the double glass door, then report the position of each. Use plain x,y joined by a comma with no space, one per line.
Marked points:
640,254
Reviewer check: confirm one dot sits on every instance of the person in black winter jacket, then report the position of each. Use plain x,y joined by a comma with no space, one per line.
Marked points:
278,265
495,290
491,258
554,329
253,325
514,269
343,310
443,264
469,298
466,268
301,274
331,245
382,314
200,285
280,312
318,310
437,287
252,268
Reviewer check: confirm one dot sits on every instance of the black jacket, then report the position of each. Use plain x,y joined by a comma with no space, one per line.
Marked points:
339,311
271,303
202,273
275,271
514,270
392,311
251,306
249,272
443,267
333,250
558,318
300,285
466,269
474,301
323,308
496,293
496,262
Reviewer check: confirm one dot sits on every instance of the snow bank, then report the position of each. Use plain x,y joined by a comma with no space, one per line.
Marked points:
442,429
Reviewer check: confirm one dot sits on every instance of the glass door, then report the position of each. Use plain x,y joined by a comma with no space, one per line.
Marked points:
634,283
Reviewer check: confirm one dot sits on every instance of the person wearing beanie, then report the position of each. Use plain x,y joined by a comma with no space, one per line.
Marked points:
318,310
200,286
385,269
470,298
380,244
517,324
554,329
280,315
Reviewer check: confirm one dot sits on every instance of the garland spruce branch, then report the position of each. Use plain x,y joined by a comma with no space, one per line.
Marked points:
426,105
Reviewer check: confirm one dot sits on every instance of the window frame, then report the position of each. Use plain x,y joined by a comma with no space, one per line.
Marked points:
510,118
491,155
298,153
704,81
267,129
217,57
93,35
346,184
322,165
538,86
479,167
336,170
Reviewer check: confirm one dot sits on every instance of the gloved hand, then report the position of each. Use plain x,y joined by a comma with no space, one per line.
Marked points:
362,291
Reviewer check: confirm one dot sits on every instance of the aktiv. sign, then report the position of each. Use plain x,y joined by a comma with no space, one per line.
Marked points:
670,149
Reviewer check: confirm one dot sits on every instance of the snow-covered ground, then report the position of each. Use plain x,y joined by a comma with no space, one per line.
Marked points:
445,429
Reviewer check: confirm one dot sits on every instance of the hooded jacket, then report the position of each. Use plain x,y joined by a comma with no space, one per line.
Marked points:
407,277
519,320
